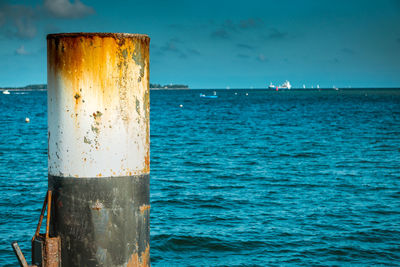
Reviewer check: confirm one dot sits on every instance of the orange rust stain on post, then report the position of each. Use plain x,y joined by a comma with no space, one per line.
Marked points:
73,57
147,162
112,71
76,58
140,261
143,208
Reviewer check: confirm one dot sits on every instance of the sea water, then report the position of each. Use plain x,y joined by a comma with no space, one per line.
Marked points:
251,178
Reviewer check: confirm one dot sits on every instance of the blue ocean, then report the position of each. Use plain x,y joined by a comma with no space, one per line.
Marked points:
251,178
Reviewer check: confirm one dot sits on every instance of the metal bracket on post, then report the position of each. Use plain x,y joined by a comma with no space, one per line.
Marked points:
46,250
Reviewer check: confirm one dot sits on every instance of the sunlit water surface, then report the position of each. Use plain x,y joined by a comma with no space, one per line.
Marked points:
287,177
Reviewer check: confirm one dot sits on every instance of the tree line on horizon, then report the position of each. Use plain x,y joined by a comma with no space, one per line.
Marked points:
152,85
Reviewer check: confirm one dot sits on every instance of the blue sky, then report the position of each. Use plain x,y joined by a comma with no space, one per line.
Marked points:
219,44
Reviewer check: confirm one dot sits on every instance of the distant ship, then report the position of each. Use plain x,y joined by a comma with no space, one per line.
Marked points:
214,95
6,92
271,86
285,85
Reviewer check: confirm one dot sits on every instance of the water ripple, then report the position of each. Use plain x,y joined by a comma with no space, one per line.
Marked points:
268,178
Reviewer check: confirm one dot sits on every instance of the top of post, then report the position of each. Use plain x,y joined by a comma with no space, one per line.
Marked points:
97,34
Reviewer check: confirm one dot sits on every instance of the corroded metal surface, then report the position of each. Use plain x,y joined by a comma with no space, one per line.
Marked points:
19,254
52,252
99,147
98,104
101,221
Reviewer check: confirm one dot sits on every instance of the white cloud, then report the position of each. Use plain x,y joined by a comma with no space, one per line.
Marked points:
66,9
21,20
21,51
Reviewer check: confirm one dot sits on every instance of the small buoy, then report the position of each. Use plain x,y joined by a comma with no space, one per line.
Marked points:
235,93
27,119
181,105
247,94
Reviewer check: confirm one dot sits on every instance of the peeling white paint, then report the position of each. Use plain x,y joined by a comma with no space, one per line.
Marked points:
96,126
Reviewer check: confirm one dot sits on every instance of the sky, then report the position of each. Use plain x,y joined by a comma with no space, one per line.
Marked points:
220,44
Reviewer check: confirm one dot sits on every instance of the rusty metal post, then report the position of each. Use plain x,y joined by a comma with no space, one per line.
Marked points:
19,254
99,147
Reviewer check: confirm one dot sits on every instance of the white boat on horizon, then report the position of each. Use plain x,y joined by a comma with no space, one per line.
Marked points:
285,85
6,92
271,86
214,95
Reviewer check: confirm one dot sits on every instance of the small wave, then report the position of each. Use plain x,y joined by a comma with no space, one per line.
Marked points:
212,206
373,235
307,155
172,187
168,202
188,243
298,185
225,187
353,254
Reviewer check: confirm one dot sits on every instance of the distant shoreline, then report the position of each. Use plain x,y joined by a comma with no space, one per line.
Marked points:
21,89
43,87
31,87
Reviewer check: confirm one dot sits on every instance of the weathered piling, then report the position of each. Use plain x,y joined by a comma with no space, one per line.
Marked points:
99,147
